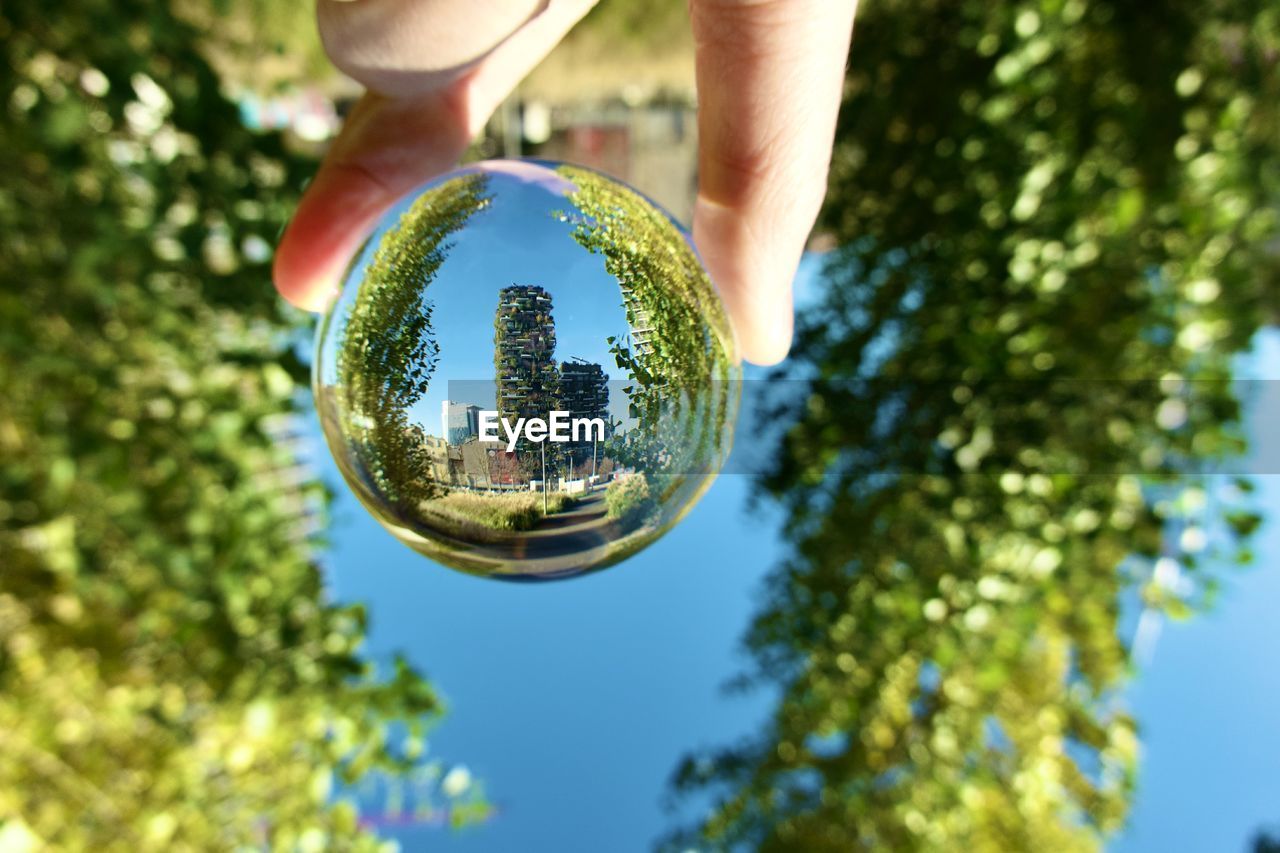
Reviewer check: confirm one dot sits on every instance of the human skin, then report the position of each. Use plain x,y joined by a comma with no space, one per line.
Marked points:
769,76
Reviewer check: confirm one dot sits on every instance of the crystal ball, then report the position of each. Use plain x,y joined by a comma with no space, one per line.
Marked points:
527,373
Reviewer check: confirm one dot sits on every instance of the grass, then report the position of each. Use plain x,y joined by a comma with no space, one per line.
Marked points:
509,511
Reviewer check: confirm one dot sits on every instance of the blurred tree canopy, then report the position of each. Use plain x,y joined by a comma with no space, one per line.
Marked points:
1264,842
1057,222
171,673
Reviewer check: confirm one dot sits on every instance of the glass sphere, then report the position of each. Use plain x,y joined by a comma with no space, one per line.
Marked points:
527,373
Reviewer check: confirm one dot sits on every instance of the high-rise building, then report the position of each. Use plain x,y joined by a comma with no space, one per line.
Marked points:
524,340
459,421
584,393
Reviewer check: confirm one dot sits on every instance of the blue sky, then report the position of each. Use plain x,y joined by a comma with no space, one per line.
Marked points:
574,701
1208,700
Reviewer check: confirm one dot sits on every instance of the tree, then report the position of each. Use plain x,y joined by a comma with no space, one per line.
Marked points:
172,675
681,361
386,351
1056,223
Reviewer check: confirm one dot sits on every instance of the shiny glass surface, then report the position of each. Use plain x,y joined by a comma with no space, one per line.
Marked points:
527,373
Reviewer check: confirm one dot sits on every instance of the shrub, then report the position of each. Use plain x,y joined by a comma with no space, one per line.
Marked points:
628,500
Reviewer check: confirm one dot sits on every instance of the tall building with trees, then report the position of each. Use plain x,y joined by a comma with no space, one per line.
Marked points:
524,342
584,393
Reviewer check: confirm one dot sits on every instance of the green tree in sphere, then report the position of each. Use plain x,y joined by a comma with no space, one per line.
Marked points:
680,361
1057,224
388,350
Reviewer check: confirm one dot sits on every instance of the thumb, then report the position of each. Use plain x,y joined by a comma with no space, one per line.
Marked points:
414,126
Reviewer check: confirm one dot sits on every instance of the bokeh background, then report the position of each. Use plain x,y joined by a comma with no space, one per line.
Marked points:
1001,574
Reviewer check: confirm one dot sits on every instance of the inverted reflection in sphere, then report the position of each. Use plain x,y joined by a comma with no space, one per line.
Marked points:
527,373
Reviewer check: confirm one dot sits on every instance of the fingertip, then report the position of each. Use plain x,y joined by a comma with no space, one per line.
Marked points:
762,322
753,273
333,218
307,271
768,346
301,284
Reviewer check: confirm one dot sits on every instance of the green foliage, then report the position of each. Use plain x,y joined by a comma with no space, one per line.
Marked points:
686,343
648,26
260,44
680,361
628,500
387,350
507,511
1057,222
171,673
1265,843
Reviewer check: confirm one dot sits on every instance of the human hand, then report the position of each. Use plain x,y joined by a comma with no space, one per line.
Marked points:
769,76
